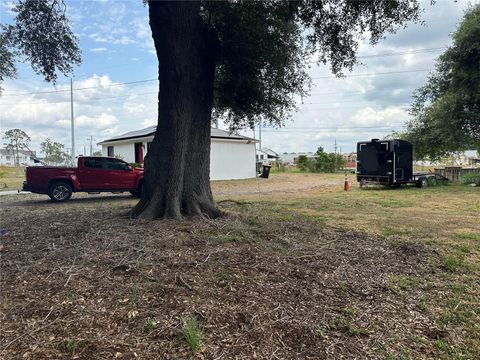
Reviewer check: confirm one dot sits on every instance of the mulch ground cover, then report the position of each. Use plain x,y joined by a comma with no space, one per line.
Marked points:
93,284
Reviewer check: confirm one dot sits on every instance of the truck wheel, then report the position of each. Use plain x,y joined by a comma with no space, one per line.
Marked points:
421,182
60,191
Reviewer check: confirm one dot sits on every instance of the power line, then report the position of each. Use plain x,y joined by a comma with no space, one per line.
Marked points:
399,53
78,89
419,51
371,74
12,93
91,99
356,129
348,107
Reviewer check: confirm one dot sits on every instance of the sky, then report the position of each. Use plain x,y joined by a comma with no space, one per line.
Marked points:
115,87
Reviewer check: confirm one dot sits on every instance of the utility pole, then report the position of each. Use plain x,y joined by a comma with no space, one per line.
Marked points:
72,121
260,135
91,145
255,146
335,149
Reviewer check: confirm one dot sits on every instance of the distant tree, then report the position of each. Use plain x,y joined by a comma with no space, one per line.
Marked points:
303,163
17,140
54,152
328,162
97,153
446,110
321,161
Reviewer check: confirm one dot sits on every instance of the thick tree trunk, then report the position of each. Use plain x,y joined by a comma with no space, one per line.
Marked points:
177,166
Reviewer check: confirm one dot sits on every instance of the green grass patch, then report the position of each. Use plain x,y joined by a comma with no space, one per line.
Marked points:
403,283
149,325
475,236
453,263
71,346
192,333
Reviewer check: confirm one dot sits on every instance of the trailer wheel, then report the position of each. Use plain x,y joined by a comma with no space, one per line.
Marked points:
60,191
432,181
421,182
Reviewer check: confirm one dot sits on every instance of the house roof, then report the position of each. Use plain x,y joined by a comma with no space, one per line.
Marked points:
150,131
269,152
14,152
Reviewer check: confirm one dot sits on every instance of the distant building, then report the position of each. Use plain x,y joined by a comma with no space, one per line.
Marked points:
350,160
292,158
267,156
9,157
474,161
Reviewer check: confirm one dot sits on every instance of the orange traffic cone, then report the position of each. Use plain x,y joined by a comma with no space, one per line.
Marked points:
346,185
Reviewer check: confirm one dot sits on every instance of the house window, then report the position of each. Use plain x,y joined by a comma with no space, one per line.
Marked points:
8,158
110,151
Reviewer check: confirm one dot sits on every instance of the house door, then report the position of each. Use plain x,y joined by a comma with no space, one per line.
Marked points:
139,153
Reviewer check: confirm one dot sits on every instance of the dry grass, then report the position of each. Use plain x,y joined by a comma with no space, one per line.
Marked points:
11,178
298,269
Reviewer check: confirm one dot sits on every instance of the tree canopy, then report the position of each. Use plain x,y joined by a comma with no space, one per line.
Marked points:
446,110
265,47
54,151
17,140
41,36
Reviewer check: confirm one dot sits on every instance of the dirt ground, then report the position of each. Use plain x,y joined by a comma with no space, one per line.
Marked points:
82,280
280,184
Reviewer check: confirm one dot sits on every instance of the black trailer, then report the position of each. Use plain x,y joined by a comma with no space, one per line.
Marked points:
388,162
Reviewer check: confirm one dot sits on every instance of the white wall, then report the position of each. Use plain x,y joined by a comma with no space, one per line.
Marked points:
232,159
229,159
125,149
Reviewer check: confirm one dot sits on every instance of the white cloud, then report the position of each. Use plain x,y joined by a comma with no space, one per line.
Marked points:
8,6
149,122
99,49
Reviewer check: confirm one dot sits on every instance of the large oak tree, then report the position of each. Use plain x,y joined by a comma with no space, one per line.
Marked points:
446,110
240,61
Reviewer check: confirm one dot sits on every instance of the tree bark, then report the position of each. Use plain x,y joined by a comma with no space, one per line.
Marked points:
177,166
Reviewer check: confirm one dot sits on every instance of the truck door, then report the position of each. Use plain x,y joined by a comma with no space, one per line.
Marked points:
119,175
91,173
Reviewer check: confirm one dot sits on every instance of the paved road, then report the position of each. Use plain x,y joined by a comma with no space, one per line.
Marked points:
14,192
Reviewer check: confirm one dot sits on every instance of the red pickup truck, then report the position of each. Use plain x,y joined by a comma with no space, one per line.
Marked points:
93,174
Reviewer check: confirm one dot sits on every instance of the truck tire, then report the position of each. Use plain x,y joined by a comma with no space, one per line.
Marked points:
60,191
421,182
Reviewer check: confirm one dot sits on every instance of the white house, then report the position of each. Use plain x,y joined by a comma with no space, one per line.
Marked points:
232,156
9,157
266,156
